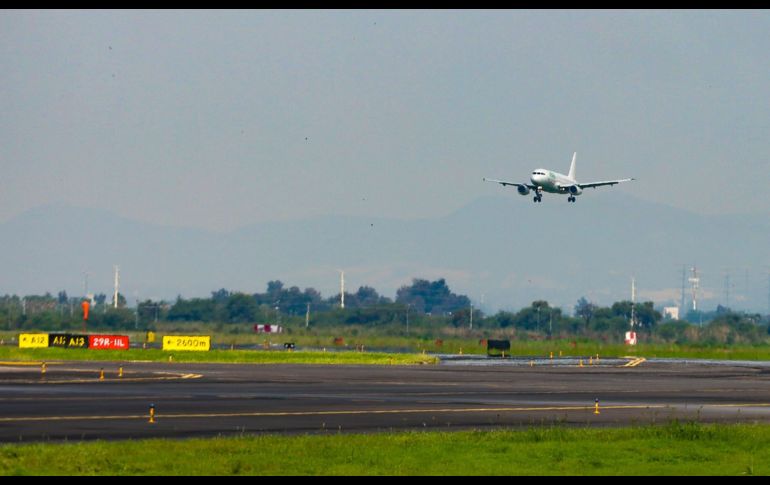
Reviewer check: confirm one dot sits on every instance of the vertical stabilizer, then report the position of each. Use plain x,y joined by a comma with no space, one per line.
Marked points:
572,167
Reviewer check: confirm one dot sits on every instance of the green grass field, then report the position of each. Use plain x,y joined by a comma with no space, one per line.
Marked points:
219,356
671,449
372,355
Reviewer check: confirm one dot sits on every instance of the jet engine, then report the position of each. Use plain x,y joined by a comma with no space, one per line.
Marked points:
575,190
523,189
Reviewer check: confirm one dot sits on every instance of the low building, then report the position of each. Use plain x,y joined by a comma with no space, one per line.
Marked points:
671,312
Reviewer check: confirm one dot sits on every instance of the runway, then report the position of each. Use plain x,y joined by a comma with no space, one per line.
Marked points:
71,402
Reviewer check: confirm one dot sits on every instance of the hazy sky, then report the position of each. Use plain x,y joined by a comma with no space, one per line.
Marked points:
219,119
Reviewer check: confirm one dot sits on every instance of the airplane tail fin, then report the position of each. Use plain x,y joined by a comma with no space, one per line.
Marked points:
572,167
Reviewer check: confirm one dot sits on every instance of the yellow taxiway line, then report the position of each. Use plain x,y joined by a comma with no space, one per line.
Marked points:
635,362
332,413
364,412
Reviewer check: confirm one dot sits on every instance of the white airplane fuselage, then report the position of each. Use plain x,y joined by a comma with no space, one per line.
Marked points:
550,181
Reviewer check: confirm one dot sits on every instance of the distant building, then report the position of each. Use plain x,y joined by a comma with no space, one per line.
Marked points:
671,312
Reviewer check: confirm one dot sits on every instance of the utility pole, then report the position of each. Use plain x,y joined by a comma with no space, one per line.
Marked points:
117,283
684,275
747,286
307,316
342,288
633,302
471,316
550,323
768,295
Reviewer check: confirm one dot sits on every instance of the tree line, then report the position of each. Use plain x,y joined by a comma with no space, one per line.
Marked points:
425,306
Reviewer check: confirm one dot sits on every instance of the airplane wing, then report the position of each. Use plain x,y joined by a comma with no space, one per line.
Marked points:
504,183
593,185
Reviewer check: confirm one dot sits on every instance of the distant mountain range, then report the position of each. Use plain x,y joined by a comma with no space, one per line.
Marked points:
502,251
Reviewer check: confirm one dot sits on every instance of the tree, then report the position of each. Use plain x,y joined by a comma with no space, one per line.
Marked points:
194,310
646,316
220,296
585,310
275,288
241,308
503,319
150,311
431,297
535,317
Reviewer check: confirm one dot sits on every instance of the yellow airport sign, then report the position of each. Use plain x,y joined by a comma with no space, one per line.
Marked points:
186,342
33,340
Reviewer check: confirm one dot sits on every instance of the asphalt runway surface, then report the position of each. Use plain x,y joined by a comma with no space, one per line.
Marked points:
70,402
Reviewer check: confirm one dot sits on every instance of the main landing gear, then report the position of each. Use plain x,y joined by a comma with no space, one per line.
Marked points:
571,199
537,198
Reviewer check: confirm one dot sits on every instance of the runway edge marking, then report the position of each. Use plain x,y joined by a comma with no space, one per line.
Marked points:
634,362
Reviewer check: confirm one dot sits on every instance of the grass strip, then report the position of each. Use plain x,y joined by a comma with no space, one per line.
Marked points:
670,449
217,356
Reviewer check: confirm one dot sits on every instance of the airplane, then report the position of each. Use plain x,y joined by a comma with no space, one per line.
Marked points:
556,183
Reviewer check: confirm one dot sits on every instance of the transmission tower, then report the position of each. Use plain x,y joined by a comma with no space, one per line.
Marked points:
694,285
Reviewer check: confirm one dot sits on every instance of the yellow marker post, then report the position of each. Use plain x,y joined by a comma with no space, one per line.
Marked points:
170,358
581,362
101,374
152,413
597,357
560,353
590,360
551,356
596,406
42,369
461,351
120,371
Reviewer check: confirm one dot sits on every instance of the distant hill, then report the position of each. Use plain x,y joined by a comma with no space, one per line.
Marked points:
503,249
